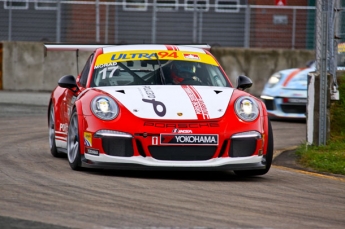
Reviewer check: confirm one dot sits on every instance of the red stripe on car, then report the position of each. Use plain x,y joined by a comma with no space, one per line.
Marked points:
197,102
169,47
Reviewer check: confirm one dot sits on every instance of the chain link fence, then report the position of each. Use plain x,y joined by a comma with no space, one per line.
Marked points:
231,23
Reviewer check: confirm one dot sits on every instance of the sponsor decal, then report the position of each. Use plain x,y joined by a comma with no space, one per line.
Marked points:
154,140
191,56
129,56
87,139
158,107
149,92
150,56
182,131
189,139
63,127
111,64
172,52
198,103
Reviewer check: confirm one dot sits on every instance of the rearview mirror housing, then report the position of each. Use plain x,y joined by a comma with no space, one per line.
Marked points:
67,81
244,82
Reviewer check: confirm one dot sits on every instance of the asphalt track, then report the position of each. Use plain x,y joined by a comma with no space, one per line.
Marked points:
39,191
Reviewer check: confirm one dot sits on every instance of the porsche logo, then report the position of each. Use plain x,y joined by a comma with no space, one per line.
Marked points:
179,114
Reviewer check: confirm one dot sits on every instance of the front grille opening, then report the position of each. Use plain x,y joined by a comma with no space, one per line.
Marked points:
222,150
140,148
242,147
120,147
182,153
294,109
269,104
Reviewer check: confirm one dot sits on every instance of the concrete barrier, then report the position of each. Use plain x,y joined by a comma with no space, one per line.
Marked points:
26,66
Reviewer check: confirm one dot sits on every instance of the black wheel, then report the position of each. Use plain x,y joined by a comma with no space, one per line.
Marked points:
266,158
73,142
52,143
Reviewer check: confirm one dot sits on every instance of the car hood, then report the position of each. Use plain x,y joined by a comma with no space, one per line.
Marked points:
175,102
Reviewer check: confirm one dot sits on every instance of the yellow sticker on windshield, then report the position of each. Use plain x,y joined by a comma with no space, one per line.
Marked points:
154,55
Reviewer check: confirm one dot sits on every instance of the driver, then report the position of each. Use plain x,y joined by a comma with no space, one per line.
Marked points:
183,70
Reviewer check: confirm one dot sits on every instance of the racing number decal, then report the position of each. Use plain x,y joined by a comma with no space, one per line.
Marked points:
157,104
167,54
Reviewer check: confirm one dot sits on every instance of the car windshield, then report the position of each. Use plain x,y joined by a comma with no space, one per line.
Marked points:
109,71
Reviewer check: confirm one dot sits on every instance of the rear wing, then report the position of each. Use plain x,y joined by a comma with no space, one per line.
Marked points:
78,47
73,47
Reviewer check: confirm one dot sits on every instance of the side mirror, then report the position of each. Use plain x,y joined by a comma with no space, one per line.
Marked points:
244,82
68,81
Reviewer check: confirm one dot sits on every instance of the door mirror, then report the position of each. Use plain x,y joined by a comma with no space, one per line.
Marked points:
68,81
244,82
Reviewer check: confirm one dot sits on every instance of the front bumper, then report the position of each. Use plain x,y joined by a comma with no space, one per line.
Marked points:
149,163
276,108
118,150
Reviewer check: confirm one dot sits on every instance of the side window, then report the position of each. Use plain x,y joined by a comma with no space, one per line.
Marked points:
85,72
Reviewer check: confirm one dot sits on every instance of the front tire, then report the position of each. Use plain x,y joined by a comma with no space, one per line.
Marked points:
73,142
267,158
51,124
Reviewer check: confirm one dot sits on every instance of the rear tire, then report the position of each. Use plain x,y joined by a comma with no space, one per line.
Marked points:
51,124
267,158
73,142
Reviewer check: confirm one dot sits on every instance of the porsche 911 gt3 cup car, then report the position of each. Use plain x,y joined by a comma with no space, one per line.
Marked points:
285,93
158,107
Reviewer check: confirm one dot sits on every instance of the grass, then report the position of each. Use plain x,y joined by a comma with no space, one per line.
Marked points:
329,158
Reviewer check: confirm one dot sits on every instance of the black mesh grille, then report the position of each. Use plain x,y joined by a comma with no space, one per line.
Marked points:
182,153
121,147
299,109
243,147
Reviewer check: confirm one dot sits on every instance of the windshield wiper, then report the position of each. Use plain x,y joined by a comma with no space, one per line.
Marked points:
160,69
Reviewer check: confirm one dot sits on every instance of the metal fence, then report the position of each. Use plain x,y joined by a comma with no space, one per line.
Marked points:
218,22
230,23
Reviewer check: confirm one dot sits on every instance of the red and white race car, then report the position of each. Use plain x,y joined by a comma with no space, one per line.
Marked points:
164,107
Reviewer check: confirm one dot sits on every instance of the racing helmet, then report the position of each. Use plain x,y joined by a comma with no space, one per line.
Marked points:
181,70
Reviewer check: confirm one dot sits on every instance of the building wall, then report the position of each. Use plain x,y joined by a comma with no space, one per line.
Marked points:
268,30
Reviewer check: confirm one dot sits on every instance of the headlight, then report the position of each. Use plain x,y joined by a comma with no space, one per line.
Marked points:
274,79
104,108
246,108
